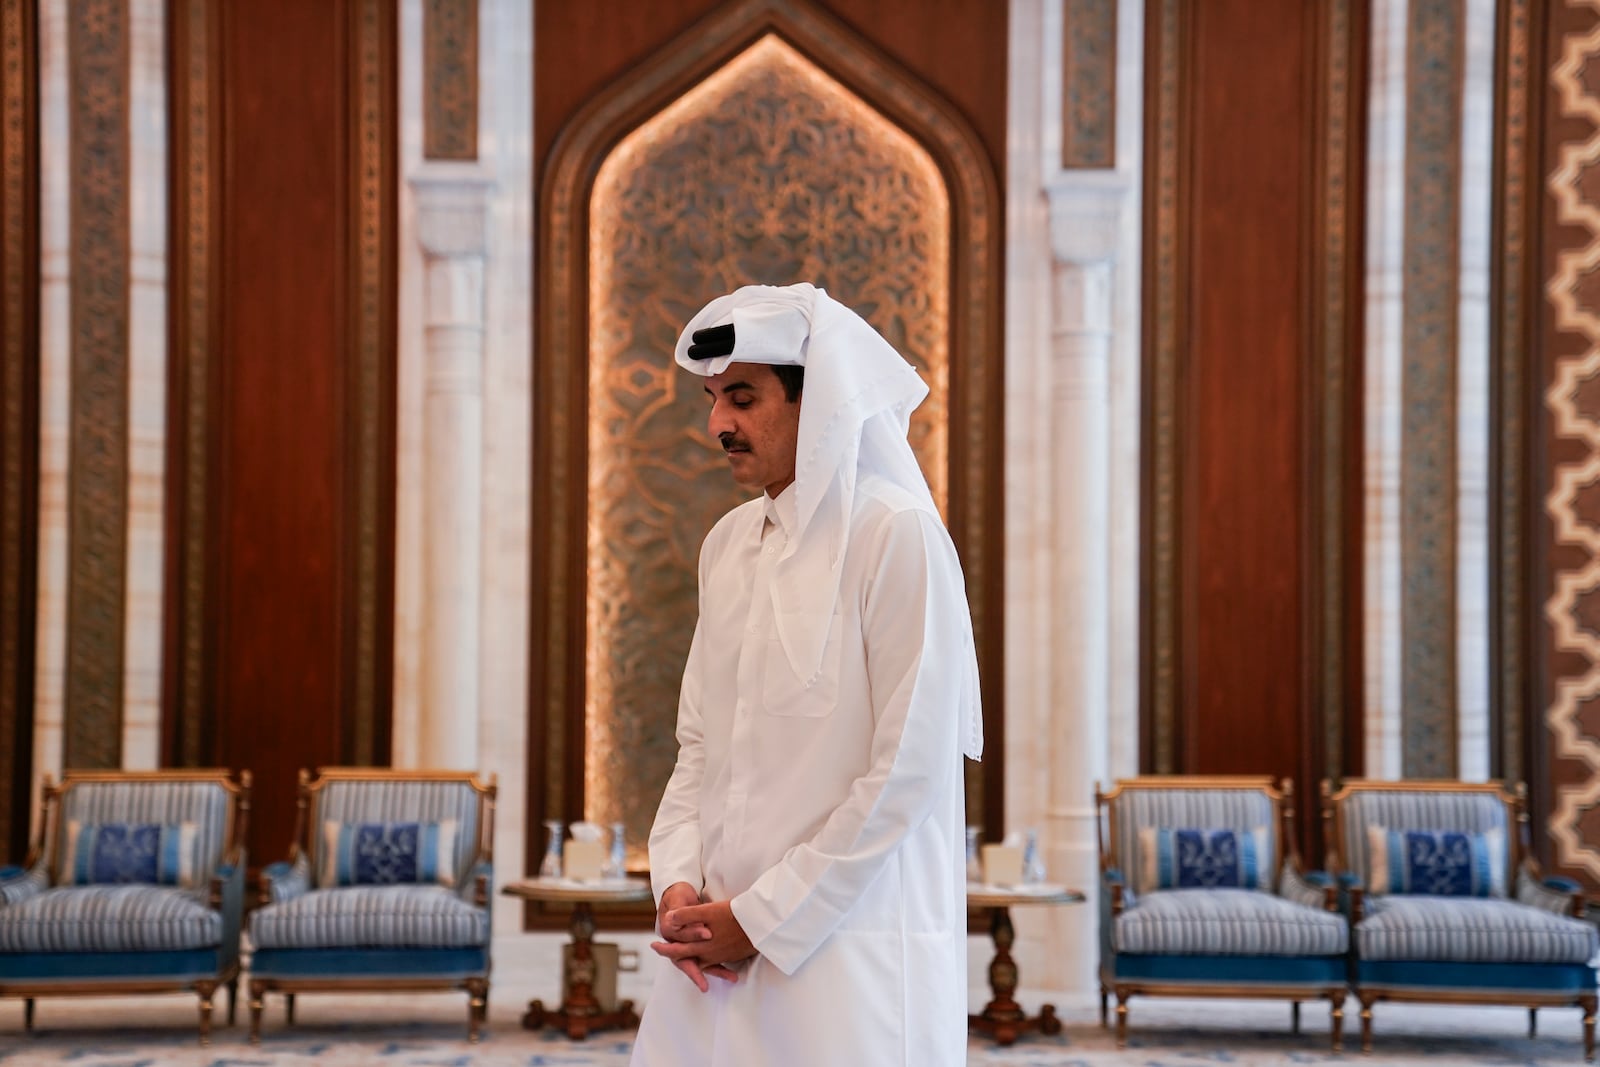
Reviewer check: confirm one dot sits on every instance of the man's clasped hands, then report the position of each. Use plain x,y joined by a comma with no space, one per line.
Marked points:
702,939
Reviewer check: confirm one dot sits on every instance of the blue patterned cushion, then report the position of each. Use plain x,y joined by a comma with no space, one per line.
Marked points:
1202,858
1442,863
121,853
388,853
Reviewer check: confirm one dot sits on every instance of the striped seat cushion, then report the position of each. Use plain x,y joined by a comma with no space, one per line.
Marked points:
371,916
1469,929
1227,922
110,918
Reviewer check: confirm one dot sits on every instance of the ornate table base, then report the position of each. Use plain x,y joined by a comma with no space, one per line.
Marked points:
1003,1018
580,1013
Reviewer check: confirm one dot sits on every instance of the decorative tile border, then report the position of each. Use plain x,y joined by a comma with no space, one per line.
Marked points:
1510,355
450,79
1430,269
1089,84
372,240
97,480
193,318
1579,161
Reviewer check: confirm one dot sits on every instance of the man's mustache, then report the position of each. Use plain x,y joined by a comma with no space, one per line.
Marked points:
730,443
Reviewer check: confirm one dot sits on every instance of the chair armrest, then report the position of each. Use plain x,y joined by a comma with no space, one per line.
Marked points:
227,896
1115,892
1559,896
21,884
477,886
285,880
1311,889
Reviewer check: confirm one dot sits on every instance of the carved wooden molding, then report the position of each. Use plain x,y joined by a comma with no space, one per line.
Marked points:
557,660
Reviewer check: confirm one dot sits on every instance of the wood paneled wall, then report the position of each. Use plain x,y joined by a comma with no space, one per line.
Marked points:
1251,430
19,413
288,429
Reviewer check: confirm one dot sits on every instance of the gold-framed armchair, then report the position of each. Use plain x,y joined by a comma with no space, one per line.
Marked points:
387,887
1447,905
1201,895
135,884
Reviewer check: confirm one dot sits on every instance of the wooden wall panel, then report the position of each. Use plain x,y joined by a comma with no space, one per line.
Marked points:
1251,515
300,423
19,413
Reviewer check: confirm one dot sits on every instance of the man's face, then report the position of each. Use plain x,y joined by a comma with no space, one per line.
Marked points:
757,426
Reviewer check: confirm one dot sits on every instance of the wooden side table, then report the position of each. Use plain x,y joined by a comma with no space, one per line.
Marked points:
580,1013
1003,1018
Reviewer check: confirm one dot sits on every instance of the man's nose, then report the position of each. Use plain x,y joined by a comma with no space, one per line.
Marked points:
720,422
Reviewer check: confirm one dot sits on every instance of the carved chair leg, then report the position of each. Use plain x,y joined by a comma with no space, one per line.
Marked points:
27,1015
1336,1019
1102,1007
1588,1005
288,999
1122,1018
233,999
477,1006
207,990
1533,1023
258,990
1366,1026
1294,1018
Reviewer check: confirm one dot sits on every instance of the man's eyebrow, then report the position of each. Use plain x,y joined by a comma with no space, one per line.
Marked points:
726,389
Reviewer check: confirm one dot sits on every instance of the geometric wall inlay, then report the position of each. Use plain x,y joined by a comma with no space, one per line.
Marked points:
97,474
1568,609
741,179
1588,718
1586,393
1586,505
1586,610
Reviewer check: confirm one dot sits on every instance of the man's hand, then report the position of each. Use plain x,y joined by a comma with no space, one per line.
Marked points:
711,954
669,920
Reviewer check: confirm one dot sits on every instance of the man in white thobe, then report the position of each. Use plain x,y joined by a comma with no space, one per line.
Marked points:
808,857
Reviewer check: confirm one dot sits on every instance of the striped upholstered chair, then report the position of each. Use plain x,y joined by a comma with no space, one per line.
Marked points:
135,885
1202,895
1445,905
386,888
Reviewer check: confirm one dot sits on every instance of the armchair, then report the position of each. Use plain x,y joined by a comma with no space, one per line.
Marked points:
135,885
1201,894
386,887
1463,918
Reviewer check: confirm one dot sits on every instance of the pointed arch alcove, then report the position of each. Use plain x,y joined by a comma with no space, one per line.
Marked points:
770,143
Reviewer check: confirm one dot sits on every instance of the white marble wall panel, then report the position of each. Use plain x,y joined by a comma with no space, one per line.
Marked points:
1474,429
147,384
1381,536
55,354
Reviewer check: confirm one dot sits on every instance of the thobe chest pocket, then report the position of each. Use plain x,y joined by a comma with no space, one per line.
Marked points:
785,693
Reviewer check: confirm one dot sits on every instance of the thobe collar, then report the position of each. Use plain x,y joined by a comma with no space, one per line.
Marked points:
780,511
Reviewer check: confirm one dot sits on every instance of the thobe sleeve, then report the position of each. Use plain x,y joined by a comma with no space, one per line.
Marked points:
915,627
675,837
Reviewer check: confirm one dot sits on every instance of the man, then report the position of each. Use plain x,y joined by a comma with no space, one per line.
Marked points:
808,854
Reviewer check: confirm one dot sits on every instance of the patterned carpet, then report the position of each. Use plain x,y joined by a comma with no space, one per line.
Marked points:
429,1030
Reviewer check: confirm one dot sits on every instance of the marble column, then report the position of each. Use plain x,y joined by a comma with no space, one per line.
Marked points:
1072,356
147,385
452,228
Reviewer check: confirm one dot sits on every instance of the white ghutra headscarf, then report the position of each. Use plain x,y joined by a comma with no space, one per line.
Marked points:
856,411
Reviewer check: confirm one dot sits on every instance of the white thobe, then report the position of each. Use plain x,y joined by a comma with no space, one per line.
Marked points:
830,815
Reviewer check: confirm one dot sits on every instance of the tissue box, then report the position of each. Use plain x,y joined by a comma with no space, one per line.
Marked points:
581,861
1002,865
